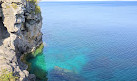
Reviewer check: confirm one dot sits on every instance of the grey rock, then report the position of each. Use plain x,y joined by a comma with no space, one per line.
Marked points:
20,32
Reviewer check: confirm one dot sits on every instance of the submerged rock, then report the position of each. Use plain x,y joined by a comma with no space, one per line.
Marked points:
20,32
61,74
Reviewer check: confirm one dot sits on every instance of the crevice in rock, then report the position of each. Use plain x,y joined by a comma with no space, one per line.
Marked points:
3,30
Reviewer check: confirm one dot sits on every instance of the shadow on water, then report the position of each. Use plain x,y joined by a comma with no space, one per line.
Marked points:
35,67
41,74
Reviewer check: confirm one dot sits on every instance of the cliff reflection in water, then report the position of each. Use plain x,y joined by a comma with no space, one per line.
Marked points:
54,71
37,65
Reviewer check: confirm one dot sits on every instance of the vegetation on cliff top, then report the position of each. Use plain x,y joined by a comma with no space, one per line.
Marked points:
33,1
37,8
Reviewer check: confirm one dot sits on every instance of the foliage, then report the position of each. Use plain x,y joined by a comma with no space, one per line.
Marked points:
14,5
35,3
37,9
7,6
7,76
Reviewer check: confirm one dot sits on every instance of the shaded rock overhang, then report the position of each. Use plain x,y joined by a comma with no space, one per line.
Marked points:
0,9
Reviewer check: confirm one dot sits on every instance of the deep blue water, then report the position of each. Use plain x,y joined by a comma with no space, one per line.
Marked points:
88,41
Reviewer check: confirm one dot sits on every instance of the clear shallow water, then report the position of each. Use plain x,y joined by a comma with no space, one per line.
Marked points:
88,41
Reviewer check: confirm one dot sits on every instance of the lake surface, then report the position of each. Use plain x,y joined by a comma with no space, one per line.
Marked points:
88,41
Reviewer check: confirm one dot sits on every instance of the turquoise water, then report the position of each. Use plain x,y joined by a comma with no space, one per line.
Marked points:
88,41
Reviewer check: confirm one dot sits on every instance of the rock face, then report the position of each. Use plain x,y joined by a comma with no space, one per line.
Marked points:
20,32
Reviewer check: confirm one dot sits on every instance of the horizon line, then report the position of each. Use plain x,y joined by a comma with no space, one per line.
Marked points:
81,0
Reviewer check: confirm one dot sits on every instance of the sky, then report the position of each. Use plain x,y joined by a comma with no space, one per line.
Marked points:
89,0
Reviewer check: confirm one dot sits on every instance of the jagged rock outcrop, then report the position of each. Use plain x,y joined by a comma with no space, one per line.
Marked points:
20,32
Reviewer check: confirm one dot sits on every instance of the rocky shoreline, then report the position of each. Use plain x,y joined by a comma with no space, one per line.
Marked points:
20,33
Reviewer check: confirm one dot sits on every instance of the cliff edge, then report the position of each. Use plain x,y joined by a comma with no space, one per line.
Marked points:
20,33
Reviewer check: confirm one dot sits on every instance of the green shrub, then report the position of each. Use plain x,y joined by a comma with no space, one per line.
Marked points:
7,76
37,9
33,1
7,6
14,5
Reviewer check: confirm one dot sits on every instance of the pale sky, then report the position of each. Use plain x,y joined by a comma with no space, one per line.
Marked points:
89,0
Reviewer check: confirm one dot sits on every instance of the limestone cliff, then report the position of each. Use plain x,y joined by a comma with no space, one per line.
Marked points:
20,32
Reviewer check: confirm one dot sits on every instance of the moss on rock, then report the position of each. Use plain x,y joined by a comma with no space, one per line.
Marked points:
7,76
38,50
31,55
